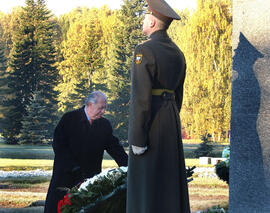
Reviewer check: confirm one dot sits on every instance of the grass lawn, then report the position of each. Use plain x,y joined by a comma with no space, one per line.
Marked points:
32,164
204,193
46,152
21,192
208,192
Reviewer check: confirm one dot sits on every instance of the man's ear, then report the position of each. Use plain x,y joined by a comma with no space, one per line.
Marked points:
152,23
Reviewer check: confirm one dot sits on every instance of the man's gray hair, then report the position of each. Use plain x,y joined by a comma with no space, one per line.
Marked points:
94,96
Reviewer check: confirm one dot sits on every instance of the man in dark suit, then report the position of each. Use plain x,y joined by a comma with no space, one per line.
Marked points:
156,175
80,139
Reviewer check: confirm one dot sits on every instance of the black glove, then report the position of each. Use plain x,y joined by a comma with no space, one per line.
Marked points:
189,172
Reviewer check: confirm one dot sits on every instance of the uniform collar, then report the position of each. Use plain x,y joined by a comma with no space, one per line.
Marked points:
159,34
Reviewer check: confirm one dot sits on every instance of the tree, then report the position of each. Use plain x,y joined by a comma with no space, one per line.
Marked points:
31,67
205,38
3,87
8,25
205,148
81,70
47,80
35,122
127,35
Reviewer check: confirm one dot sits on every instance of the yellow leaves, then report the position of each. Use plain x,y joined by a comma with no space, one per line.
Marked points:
205,40
87,45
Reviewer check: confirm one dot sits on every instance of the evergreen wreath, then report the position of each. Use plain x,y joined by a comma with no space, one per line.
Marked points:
222,168
105,192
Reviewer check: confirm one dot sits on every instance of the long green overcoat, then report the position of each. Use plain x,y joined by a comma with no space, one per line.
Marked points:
157,179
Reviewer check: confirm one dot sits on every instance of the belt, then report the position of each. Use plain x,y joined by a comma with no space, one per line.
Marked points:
161,91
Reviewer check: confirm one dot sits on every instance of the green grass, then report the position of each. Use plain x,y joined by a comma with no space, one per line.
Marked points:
213,183
198,141
46,152
30,164
203,192
4,162
189,162
25,164
24,182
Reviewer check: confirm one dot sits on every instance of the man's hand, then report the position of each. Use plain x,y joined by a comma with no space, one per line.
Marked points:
138,150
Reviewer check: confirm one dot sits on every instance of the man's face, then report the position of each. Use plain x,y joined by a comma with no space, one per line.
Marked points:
95,111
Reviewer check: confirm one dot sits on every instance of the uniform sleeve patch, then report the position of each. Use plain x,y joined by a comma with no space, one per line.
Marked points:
139,58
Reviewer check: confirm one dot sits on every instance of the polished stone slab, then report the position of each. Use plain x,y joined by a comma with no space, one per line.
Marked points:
250,110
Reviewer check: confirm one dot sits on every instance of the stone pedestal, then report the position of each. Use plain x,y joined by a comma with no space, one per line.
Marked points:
250,116
204,160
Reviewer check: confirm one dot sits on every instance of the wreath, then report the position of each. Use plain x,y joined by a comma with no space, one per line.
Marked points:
105,192
222,168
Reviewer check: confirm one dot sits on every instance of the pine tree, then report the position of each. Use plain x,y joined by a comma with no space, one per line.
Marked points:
127,35
93,62
19,80
35,122
48,75
81,70
31,67
3,87
205,148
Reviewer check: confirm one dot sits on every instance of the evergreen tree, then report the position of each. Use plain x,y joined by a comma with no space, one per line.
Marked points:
97,55
81,70
3,87
46,34
91,73
8,25
127,35
35,122
205,148
31,67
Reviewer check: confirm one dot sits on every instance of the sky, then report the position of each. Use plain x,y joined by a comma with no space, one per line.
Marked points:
59,7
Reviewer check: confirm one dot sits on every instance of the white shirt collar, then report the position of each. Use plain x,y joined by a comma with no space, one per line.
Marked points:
88,118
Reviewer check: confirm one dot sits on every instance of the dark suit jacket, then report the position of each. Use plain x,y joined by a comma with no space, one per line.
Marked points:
79,144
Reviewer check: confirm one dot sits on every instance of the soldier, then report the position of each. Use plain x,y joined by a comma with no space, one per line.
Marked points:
157,180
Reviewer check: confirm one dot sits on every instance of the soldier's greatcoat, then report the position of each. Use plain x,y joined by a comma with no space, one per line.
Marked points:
77,143
157,179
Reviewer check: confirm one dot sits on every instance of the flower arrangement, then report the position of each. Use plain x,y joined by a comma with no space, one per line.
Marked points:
222,168
105,192
215,209
63,203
